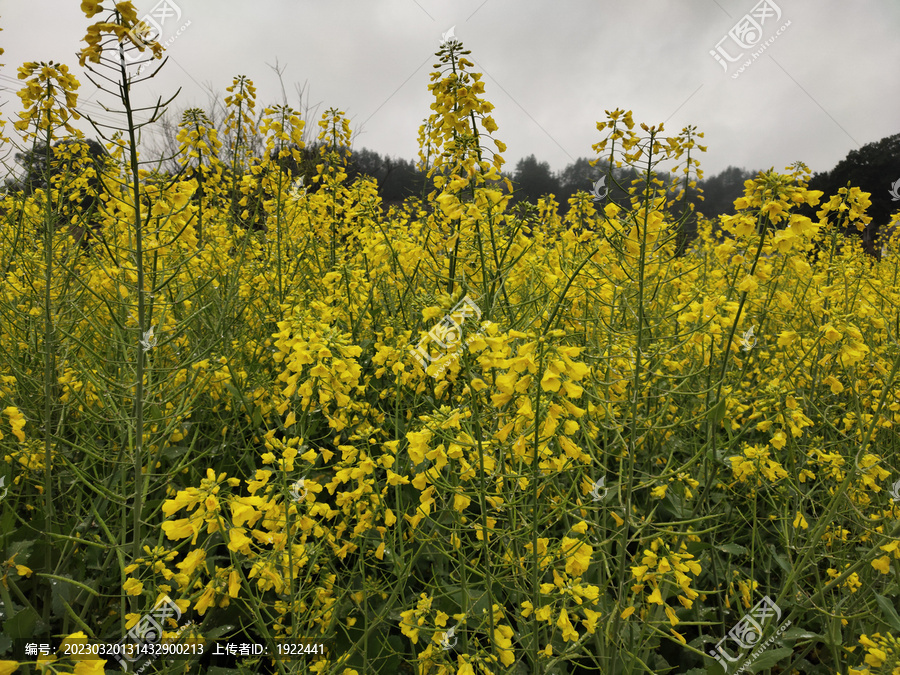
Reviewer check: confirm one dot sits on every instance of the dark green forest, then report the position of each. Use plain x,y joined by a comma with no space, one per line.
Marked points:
874,168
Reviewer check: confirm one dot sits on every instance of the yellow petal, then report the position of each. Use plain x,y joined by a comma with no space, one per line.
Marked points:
133,587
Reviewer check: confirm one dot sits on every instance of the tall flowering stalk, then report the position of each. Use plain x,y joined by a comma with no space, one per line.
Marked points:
453,136
282,129
240,131
48,100
198,140
3,139
331,171
108,41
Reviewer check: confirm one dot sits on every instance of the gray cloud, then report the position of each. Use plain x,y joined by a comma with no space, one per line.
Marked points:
824,87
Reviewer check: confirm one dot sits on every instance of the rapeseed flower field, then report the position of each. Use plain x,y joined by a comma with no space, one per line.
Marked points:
440,438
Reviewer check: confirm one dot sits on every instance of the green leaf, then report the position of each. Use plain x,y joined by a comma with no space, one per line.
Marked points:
890,614
235,395
60,594
780,559
717,413
175,451
217,632
797,633
21,626
834,637
733,549
676,505
769,659
21,550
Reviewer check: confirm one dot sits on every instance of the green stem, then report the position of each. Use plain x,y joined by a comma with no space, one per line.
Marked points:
125,90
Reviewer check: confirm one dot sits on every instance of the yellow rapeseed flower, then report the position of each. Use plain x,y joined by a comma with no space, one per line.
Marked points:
132,586
91,7
882,564
89,667
568,631
578,556
16,421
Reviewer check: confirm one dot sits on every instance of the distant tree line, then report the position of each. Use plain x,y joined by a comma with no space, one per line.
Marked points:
874,168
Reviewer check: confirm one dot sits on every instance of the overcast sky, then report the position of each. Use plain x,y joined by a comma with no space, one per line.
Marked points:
824,81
